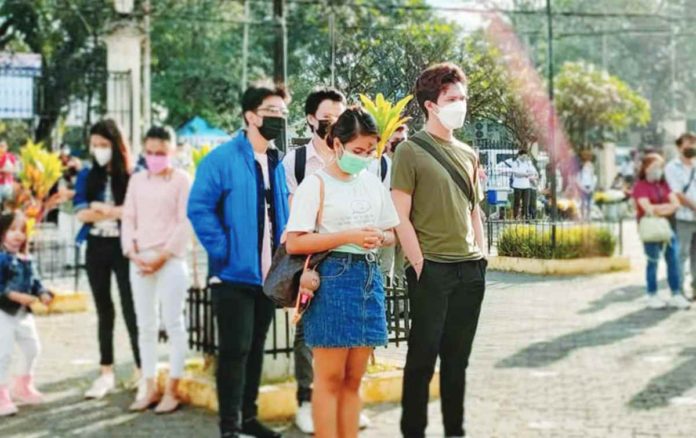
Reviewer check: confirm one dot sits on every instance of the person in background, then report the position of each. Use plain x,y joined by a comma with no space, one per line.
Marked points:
238,208
323,106
183,159
587,184
99,194
654,197
391,258
680,174
20,287
347,317
155,235
8,168
523,172
441,231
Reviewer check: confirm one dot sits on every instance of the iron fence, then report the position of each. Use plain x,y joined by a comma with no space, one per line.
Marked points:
202,326
544,239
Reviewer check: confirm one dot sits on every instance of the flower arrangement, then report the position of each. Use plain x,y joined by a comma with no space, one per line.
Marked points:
39,172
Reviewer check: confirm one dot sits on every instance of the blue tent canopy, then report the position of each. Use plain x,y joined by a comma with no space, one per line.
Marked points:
198,132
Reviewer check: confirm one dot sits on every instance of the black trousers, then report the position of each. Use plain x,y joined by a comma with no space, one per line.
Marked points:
243,315
304,371
104,256
445,306
520,203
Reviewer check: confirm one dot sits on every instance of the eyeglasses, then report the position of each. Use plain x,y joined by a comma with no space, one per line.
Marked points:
275,111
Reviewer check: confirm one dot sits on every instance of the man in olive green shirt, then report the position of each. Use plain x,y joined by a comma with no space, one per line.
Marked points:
441,233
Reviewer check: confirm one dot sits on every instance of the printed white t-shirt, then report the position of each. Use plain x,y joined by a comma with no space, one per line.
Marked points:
348,205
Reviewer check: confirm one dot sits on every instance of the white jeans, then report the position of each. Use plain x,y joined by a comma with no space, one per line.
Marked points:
167,287
19,328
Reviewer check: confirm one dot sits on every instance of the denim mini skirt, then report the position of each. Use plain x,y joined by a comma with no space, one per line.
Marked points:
348,309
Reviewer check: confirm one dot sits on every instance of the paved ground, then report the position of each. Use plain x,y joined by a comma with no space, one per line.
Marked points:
577,357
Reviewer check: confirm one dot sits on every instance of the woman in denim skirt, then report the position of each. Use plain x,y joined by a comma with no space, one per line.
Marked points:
346,318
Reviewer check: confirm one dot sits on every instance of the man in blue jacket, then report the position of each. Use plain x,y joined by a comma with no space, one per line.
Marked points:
239,207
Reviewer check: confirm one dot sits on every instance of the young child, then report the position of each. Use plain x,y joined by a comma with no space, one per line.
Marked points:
19,288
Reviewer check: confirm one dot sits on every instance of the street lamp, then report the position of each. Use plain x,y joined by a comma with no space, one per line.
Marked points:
124,7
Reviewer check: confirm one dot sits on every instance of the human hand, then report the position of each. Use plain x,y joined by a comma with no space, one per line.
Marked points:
369,237
143,266
156,264
46,298
100,207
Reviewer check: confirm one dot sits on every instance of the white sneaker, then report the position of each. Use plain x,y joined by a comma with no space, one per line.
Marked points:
102,386
679,302
654,302
142,389
364,421
303,418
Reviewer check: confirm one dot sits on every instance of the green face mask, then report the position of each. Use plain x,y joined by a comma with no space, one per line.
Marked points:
353,164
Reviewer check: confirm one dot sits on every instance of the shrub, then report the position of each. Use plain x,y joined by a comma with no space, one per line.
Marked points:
572,242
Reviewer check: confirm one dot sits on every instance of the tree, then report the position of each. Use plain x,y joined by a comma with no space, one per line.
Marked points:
594,104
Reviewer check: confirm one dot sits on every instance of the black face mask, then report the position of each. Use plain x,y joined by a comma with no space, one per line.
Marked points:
272,127
323,128
690,152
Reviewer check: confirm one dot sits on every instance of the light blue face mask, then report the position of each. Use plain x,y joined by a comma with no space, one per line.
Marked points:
353,164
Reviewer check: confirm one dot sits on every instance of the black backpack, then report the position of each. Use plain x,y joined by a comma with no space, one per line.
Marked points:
301,165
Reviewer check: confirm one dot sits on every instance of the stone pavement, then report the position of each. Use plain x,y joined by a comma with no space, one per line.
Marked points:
555,357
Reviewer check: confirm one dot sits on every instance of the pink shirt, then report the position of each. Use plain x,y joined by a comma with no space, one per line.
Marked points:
266,256
154,213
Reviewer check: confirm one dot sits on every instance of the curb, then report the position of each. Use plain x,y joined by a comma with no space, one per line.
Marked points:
278,402
63,302
586,266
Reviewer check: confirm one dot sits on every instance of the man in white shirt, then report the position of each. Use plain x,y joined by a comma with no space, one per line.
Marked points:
322,108
523,172
680,174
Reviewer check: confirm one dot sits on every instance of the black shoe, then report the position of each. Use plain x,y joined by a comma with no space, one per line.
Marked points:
254,428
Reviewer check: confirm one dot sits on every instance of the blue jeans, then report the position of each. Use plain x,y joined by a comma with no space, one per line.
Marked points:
653,251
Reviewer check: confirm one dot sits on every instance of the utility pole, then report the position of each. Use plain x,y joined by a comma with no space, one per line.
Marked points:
552,127
147,69
332,36
245,44
280,66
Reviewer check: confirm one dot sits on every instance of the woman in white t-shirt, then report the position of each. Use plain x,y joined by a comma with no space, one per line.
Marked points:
347,317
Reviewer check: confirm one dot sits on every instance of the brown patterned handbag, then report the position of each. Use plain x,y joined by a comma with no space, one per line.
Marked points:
283,281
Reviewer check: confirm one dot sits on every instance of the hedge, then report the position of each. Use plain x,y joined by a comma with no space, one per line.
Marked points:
572,242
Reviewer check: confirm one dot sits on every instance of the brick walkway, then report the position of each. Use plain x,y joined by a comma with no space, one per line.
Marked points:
576,357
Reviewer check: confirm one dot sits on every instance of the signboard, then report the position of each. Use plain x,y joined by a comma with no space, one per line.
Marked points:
18,73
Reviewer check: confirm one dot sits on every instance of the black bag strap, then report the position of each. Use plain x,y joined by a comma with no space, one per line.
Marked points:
300,164
383,167
691,180
466,188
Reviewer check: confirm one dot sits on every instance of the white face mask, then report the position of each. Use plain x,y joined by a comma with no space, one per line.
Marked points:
102,155
452,115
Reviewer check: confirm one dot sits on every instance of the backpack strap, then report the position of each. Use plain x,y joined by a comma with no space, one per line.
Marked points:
383,168
300,164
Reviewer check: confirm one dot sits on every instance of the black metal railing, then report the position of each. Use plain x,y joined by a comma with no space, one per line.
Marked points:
545,239
202,330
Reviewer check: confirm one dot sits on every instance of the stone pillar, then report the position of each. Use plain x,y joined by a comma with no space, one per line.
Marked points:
124,55
672,128
606,165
